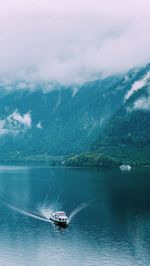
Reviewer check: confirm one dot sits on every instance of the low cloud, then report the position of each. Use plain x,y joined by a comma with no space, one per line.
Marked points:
39,125
24,120
138,85
142,104
15,123
71,42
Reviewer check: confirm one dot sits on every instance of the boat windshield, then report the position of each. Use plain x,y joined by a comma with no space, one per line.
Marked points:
60,213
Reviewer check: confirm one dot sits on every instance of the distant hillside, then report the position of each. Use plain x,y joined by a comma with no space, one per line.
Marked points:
109,116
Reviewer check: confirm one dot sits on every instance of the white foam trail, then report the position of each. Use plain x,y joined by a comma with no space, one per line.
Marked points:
26,213
77,209
45,212
81,207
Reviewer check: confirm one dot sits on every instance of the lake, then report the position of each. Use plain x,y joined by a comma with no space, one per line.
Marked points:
110,222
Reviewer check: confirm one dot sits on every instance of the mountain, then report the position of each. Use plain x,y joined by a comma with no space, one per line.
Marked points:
127,135
109,116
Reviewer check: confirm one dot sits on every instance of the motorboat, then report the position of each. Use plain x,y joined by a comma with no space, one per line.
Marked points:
59,218
125,167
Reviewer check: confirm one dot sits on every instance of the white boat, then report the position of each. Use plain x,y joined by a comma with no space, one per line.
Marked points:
59,218
125,167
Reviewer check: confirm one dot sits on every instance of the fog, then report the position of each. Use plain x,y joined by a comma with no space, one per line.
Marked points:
72,41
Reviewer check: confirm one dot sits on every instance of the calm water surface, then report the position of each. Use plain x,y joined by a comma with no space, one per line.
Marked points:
113,230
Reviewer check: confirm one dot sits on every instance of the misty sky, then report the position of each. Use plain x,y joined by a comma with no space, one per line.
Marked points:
72,41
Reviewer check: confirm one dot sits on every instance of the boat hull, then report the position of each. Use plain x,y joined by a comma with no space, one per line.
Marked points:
60,223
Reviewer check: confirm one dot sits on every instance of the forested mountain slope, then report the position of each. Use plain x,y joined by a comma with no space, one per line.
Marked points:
54,120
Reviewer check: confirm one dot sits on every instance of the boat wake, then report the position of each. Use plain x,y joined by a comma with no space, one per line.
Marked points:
77,210
28,213
80,207
7,200
43,211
